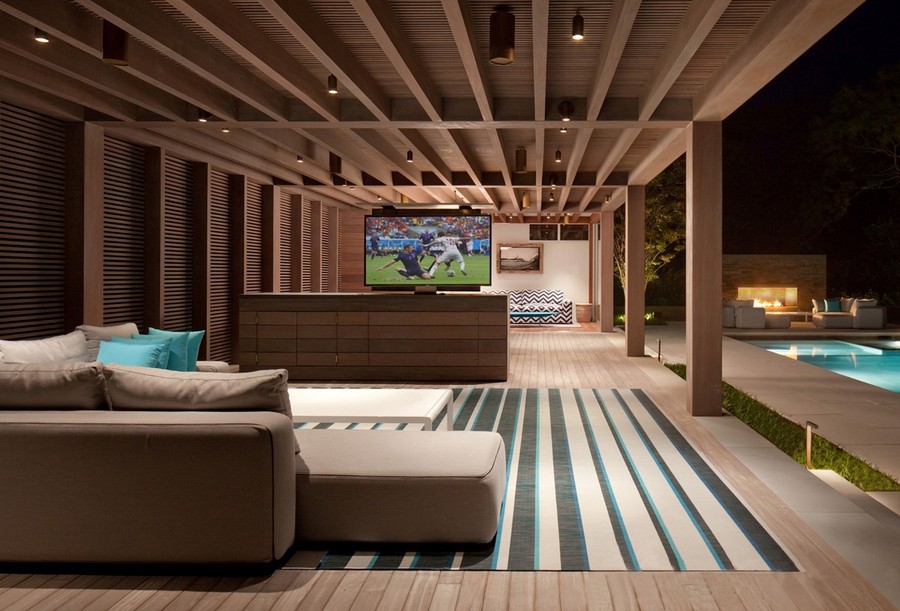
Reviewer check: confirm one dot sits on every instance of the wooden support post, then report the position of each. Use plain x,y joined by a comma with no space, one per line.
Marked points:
271,239
297,262
84,225
634,270
607,240
315,259
237,200
704,269
202,201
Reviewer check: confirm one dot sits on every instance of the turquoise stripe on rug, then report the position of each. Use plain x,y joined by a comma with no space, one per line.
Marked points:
597,480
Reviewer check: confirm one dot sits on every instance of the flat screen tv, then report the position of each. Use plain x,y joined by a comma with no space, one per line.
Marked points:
428,249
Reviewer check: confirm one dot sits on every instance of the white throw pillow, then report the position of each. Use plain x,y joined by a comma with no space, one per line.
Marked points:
70,347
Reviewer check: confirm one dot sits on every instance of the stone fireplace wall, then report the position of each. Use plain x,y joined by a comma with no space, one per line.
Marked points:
806,272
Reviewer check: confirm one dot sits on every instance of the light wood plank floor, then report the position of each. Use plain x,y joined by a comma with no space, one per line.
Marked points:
538,359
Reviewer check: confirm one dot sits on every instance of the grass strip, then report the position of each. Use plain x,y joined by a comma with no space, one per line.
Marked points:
790,438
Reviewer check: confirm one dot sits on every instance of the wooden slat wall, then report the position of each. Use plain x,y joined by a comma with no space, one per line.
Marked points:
287,239
219,333
254,229
351,251
123,233
325,256
32,224
178,245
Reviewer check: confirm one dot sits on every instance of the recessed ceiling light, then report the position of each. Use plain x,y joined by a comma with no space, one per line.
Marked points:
41,36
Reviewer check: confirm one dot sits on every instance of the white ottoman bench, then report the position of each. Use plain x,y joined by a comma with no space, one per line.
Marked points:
399,486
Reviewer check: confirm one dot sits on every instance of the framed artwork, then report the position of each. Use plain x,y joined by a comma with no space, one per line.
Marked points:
527,258
543,232
573,232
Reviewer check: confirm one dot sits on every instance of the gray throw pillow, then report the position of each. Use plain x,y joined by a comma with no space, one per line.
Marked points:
59,348
95,334
52,386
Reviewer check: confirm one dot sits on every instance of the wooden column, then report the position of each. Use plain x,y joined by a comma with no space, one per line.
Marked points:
202,200
237,200
297,262
333,250
704,269
634,270
606,275
84,225
315,258
271,239
154,235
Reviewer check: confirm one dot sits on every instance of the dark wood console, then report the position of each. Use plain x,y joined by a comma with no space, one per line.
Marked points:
376,336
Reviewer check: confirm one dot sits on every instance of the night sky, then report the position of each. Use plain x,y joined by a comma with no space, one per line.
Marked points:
766,165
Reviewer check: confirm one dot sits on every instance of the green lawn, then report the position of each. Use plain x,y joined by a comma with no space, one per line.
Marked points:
478,268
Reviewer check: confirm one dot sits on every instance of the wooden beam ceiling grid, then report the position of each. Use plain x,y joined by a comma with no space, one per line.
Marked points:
654,27
570,60
645,142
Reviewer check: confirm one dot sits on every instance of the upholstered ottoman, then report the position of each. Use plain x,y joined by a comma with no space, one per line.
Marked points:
777,321
399,486
750,318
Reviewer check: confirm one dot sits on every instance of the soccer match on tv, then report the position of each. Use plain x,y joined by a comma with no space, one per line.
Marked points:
428,249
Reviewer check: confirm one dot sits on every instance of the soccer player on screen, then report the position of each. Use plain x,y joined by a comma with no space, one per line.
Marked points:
410,263
450,253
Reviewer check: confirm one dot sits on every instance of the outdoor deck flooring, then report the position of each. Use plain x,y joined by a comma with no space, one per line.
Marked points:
537,359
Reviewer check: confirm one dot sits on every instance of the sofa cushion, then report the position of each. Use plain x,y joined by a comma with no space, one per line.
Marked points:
818,305
137,355
137,388
69,347
95,334
179,349
862,303
52,386
847,303
192,347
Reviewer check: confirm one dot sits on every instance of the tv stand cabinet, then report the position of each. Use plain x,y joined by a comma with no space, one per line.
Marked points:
376,336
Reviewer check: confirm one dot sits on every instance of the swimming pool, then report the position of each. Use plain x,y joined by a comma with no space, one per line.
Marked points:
876,363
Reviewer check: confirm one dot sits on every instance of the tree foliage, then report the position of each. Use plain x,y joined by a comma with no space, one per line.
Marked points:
665,224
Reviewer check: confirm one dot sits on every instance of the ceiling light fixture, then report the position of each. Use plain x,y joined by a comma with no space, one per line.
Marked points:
553,182
203,115
503,36
558,158
607,200
409,156
551,197
299,158
332,84
521,159
565,110
563,129
115,44
566,218
526,200
41,36
225,130
577,26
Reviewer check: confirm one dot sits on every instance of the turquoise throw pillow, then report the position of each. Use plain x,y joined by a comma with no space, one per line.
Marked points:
832,305
192,345
135,355
136,338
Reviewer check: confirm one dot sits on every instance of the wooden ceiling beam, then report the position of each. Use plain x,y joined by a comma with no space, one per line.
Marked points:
41,101
540,24
302,22
232,28
65,22
667,150
155,28
18,68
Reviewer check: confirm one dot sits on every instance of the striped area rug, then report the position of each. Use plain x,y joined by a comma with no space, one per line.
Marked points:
598,480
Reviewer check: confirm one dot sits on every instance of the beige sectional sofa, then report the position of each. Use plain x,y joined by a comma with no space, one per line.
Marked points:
848,313
137,465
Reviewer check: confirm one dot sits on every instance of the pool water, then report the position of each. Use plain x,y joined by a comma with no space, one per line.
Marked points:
877,363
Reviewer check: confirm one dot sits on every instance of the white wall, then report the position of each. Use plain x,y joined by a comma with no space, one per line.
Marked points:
565,264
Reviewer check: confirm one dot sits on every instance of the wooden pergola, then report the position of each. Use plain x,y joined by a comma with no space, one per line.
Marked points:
422,117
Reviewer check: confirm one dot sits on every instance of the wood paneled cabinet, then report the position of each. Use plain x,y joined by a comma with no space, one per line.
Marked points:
377,337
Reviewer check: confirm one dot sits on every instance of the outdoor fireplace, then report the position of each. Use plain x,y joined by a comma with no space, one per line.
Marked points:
775,298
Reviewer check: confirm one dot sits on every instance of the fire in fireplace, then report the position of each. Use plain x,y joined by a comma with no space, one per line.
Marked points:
770,297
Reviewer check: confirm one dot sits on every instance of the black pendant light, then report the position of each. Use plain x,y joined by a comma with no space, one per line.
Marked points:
503,36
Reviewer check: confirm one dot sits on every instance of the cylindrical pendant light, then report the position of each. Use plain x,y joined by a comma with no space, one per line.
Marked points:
503,36
332,84
577,26
115,44
558,158
41,36
521,159
203,115
526,200
409,156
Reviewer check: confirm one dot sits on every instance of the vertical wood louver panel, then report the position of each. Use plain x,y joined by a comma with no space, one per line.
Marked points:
339,241
327,230
306,236
32,224
254,238
123,233
286,237
219,332
179,239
